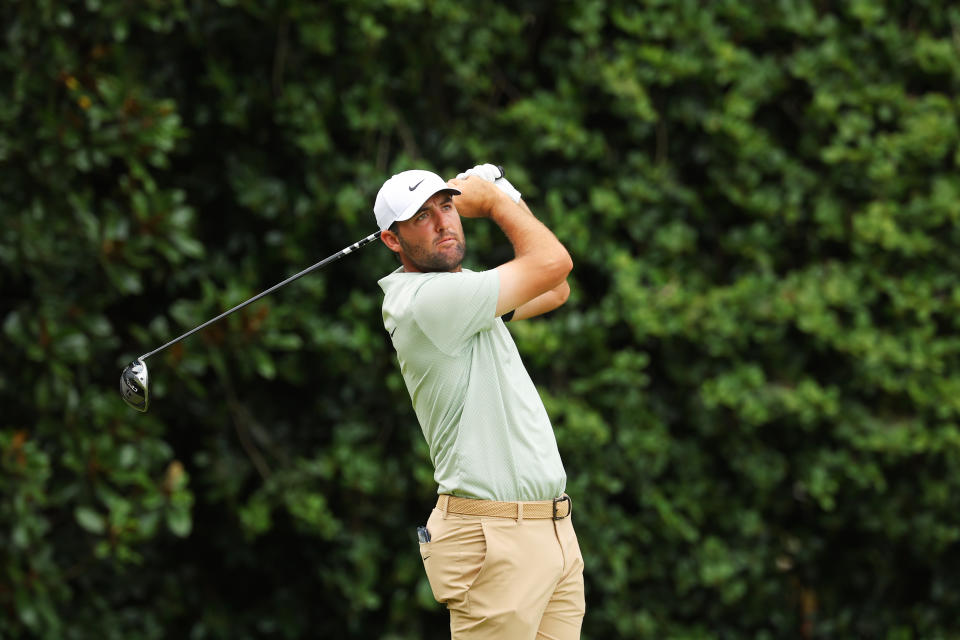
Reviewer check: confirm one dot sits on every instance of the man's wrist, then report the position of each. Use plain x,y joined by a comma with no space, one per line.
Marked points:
504,185
504,207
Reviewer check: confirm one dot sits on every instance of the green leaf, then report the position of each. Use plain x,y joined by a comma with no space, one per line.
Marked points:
90,520
179,522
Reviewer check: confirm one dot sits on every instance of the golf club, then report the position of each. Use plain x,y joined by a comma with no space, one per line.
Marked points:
135,379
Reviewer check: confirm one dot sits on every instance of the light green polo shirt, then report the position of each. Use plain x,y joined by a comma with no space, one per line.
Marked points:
488,432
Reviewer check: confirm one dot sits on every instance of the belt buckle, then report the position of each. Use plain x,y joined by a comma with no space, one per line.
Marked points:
556,501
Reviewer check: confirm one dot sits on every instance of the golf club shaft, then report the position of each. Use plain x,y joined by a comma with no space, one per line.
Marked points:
325,261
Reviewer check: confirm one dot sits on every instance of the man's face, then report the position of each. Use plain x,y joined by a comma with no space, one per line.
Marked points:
432,240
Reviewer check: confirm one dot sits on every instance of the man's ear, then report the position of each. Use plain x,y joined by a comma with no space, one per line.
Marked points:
390,239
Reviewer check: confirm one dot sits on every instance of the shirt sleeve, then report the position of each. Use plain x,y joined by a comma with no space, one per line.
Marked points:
451,308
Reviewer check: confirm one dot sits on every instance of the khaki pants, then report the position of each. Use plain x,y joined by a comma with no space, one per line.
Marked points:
506,578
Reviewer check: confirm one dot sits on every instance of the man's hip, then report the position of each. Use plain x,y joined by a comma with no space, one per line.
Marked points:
506,570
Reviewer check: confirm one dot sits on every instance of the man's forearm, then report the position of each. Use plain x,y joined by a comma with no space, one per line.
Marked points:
540,265
531,239
543,303
540,262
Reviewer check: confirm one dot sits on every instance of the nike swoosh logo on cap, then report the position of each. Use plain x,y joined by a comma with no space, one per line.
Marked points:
414,187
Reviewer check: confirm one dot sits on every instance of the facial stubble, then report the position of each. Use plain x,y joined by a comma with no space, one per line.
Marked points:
432,261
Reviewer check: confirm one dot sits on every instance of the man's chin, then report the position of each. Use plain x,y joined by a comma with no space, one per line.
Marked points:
439,264
440,268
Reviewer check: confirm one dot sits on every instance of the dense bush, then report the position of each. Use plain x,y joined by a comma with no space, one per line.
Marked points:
754,386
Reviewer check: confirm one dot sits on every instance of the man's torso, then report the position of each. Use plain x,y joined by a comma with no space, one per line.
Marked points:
482,417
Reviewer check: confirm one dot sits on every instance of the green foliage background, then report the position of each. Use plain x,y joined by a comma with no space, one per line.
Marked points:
754,386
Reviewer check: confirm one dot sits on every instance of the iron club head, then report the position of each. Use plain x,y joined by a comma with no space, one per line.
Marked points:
135,385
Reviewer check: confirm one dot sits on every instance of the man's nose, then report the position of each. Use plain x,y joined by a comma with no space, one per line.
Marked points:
442,221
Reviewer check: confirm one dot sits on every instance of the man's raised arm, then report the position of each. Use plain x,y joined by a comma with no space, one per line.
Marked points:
541,263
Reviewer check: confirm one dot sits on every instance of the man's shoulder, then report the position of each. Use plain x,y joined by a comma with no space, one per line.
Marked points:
445,288
405,281
448,307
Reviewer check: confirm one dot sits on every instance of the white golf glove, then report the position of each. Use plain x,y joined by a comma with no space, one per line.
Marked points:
492,173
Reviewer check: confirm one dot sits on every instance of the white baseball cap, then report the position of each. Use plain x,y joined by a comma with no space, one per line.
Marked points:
402,195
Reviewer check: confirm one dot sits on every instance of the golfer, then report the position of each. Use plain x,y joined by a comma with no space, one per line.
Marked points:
499,549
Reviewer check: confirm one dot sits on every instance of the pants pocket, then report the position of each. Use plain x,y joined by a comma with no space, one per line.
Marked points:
453,558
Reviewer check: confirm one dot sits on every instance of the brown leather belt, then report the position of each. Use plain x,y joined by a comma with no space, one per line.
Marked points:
556,509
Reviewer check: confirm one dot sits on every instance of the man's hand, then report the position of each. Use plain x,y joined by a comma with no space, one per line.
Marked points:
478,197
489,172
493,173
